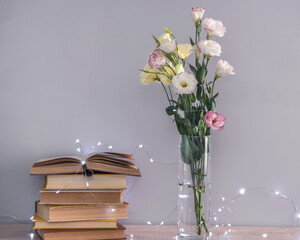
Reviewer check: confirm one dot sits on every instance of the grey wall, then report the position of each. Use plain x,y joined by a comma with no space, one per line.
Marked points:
69,69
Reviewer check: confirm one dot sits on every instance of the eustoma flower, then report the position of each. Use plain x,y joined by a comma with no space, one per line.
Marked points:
210,47
147,78
184,83
168,45
224,69
197,14
184,50
214,120
214,27
156,60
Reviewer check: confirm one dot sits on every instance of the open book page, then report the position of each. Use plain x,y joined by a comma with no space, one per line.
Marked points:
65,159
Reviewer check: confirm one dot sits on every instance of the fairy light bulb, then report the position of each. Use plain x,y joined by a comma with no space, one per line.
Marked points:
149,223
82,162
99,143
141,145
31,218
78,149
113,210
131,235
265,235
242,191
151,160
110,147
31,235
162,223
277,193
298,215
87,184
57,192
77,141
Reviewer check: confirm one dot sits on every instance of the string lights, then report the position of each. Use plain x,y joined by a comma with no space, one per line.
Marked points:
243,192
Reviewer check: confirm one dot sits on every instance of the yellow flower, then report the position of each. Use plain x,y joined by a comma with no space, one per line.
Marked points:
147,78
167,80
179,69
164,36
184,50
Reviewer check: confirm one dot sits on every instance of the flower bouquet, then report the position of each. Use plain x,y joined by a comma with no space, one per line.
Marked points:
191,102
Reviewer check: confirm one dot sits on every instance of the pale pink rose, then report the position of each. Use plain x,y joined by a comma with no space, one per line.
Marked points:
197,14
214,120
156,60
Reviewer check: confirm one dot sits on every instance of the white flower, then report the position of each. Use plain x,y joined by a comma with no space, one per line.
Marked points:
197,14
168,45
214,27
147,78
224,69
210,47
184,83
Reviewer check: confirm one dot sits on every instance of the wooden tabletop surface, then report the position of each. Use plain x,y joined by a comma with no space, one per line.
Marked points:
22,232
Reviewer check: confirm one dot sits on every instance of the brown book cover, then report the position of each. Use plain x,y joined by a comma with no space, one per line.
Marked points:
73,234
78,182
81,197
106,162
40,223
65,213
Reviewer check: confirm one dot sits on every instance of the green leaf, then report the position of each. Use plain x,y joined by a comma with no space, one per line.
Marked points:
171,110
215,96
193,69
156,40
192,42
200,76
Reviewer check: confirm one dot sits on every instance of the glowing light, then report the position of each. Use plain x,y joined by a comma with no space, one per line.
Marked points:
131,235
31,235
149,223
242,191
110,147
87,184
183,196
225,233
141,145
298,216
57,192
151,160
31,218
277,193
78,149
99,143
77,141
162,223
223,199
219,210
113,210
82,162
229,225
215,218
265,235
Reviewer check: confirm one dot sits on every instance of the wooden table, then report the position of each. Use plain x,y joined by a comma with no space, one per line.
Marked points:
22,232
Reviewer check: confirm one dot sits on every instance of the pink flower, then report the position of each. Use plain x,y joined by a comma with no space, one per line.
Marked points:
156,60
214,120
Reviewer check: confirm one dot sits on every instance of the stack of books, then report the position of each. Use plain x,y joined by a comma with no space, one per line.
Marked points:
83,197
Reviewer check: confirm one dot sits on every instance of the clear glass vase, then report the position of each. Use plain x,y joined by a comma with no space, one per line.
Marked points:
194,188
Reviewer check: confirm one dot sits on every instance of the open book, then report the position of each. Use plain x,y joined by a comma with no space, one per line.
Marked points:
106,162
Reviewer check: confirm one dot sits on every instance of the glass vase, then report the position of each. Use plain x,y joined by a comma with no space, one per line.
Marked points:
194,188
